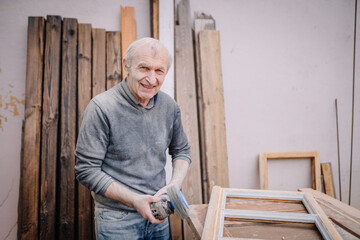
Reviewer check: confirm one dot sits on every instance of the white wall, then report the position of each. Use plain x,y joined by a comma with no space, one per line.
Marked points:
284,63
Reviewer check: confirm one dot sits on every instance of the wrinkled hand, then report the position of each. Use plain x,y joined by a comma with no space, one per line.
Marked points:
142,205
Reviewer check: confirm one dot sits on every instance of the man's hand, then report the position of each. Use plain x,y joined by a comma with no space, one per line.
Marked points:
141,204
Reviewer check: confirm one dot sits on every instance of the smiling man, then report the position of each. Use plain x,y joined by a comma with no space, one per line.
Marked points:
122,143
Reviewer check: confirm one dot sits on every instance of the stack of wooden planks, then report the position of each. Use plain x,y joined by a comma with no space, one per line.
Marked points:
199,93
67,64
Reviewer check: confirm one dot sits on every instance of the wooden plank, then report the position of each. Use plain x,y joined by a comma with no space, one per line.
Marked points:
68,130
328,179
85,207
212,216
50,120
154,11
30,164
201,22
99,61
186,99
263,171
291,155
113,59
340,213
128,29
214,110
176,227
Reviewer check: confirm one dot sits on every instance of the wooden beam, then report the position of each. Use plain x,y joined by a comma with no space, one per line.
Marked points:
154,11
113,59
85,207
128,29
186,99
214,109
50,120
30,164
213,214
315,165
99,61
201,22
328,179
68,130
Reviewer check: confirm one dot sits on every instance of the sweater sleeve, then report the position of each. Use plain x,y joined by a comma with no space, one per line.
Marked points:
91,149
179,147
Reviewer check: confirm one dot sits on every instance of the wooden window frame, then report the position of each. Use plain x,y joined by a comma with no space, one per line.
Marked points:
315,166
217,212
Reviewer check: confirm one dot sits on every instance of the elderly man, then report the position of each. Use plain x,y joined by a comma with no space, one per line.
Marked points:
121,148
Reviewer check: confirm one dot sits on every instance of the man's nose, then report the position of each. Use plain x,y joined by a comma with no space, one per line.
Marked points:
152,77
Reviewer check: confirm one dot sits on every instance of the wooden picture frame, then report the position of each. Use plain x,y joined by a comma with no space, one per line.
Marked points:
315,166
217,211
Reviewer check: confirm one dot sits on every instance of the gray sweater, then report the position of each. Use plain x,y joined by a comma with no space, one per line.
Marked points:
120,140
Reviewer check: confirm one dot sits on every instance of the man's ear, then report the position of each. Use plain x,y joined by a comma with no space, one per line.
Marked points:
126,68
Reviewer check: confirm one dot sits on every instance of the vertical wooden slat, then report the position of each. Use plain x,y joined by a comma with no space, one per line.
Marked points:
50,119
113,59
328,179
99,61
29,183
214,111
154,7
186,98
68,130
201,22
128,29
84,209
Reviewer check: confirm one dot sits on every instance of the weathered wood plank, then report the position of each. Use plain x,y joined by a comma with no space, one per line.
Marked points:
50,120
85,207
128,30
214,109
30,164
113,59
99,61
186,99
328,179
154,11
212,215
201,22
68,130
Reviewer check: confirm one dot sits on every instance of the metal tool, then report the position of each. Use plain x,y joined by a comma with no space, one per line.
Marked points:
173,200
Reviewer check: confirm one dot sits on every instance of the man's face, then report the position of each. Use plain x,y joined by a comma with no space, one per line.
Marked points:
146,73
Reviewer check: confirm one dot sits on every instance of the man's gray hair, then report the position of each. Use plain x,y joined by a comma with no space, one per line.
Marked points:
153,43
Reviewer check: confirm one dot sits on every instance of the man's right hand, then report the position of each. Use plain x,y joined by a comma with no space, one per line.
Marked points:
142,205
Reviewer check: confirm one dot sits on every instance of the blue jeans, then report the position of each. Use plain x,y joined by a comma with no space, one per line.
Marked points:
115,224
